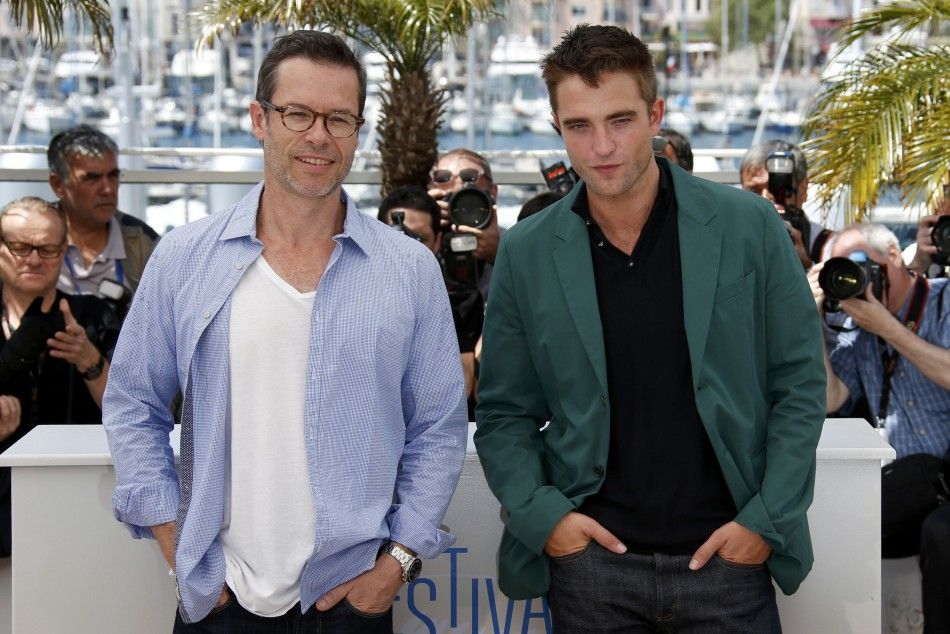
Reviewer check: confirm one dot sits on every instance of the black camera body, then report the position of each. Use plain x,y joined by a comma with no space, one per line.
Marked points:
458,258
470,206
940,234
559,178
845,278
782,184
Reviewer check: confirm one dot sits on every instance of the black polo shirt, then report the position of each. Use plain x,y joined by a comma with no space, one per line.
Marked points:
664,490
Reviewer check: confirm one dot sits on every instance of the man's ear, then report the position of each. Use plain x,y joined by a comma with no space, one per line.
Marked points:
56,184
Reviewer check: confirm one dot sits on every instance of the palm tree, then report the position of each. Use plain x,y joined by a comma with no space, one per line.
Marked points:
408,33
45,17
886,118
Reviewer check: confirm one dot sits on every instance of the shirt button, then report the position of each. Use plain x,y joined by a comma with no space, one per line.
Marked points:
601,243
206,314
598,471
922,432
910,402
239,266
630,264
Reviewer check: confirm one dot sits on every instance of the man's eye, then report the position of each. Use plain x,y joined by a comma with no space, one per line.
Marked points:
297,115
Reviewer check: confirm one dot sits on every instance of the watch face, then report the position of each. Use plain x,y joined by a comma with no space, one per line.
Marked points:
414,569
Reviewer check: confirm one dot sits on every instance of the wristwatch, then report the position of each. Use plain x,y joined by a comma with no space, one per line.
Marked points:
411,565
92,372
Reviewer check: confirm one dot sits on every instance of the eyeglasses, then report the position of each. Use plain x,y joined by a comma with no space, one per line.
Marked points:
24,249
300,119
468,175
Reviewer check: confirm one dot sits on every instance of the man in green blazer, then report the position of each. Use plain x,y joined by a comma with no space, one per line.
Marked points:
663,325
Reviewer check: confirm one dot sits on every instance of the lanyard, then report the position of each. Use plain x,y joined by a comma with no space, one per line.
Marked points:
119,274
889,358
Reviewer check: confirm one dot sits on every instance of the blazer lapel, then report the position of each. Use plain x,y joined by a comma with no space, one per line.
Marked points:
575,270
700,248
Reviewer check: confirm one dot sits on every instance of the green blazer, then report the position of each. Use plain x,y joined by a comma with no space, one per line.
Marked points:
755,348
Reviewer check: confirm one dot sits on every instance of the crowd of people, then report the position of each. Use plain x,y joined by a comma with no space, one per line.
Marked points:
323,367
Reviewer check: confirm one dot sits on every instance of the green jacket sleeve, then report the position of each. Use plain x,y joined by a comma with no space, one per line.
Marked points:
511,410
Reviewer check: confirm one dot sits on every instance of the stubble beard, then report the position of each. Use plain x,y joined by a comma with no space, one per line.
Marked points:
282,172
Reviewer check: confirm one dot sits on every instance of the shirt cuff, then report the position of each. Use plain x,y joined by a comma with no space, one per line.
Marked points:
140,507
413,530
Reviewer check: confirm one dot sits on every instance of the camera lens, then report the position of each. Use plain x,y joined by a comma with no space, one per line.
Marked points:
470,206
842,278
941,235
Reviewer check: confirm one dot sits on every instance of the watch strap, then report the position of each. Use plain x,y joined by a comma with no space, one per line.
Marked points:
94,371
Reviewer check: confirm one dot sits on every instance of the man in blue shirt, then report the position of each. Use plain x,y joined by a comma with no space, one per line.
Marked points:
323,421
899,358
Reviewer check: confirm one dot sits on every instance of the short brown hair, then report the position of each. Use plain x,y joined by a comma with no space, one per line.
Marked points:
316,46
33,203
589,51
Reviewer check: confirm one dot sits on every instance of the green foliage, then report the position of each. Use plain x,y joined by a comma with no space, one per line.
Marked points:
761,20
885,118
408,33
45,18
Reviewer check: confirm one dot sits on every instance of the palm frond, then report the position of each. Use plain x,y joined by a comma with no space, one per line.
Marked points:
45,18
861,128
904,16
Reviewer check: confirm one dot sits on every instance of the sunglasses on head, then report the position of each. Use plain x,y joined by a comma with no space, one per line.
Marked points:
468,175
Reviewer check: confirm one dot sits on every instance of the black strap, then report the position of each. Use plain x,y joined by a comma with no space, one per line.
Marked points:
889,358
819,244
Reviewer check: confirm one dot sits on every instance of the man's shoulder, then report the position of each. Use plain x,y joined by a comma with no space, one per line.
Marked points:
382,240
132,224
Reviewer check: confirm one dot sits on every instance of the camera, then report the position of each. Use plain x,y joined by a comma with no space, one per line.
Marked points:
940,234
398,223
458,258
471,206
559,178
844,278
781,169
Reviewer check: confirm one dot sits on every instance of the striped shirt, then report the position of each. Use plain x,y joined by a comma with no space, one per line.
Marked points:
385,423
918,415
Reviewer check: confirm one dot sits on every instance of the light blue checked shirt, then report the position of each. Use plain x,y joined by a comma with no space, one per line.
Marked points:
918,416
385,410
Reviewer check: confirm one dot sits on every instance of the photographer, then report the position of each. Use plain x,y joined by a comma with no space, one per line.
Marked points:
925,256
808,237
898,357
54,347
411,210
107,249
454,171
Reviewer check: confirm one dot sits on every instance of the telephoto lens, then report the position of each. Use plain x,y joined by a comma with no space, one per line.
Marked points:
470,206
844,278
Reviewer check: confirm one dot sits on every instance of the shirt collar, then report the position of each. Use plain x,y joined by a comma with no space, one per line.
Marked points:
243,221
115,246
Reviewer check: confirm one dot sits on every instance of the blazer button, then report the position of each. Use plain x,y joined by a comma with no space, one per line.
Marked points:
598,471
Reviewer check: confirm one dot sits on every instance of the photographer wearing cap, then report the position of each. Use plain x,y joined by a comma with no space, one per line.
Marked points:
898,357
414,212
778,171
54,347
930,255
471,213
107,249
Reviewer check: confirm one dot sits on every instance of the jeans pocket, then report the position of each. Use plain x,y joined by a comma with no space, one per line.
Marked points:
734,565
366,615
224,606
569,557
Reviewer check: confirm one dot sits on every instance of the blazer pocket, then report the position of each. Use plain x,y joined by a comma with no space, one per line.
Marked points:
735,288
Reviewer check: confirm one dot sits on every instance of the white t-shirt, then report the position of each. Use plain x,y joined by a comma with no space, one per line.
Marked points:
270,526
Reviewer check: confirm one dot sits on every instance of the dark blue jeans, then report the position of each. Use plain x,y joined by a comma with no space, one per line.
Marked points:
596,590
343,618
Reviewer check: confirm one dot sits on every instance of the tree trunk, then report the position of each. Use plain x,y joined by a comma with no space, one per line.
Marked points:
411,112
